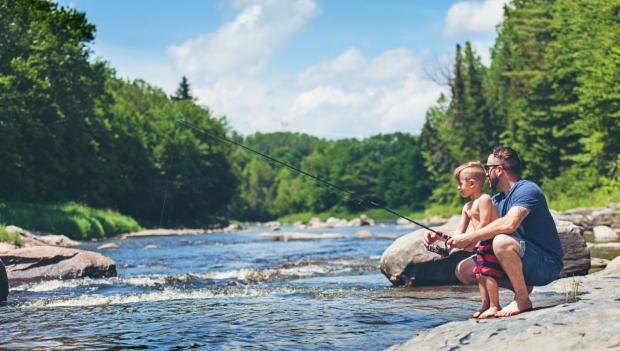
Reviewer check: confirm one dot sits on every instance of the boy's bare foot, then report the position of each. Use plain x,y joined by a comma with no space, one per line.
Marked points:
489,313
485,306
515,307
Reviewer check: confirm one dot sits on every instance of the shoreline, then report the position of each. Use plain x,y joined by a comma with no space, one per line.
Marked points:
589,323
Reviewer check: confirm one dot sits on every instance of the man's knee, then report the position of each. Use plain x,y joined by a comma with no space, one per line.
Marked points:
464,272
504,243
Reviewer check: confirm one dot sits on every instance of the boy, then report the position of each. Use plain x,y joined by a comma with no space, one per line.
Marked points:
480,211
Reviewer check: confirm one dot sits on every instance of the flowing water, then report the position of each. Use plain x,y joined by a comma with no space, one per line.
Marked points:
230,292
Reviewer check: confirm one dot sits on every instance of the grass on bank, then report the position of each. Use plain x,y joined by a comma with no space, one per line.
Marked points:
77,221
11,238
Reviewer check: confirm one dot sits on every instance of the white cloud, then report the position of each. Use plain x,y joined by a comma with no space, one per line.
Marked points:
323,96
349,95
473,17
350,60
368,96
244,45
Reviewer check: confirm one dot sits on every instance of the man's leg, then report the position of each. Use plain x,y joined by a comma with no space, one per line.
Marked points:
507,250
465,272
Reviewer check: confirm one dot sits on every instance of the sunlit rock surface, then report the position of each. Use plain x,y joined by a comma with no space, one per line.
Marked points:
38,263
589,323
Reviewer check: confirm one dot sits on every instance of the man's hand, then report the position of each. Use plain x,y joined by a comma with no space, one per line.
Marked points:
430,238
459,242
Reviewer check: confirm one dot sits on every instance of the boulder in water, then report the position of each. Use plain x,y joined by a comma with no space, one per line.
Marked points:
38,263
408,262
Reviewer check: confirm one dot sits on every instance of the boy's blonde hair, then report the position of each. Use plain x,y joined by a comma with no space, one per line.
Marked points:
470,170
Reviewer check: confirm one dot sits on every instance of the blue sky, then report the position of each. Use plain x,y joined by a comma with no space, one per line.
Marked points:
338,68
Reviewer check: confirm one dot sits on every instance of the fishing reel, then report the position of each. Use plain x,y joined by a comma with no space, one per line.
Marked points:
441,251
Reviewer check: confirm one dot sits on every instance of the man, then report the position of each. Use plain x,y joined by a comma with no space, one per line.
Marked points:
525,239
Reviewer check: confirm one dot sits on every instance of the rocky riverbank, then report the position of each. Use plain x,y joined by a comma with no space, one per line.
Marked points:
591,322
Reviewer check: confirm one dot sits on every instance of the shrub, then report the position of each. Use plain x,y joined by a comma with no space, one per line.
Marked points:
11,238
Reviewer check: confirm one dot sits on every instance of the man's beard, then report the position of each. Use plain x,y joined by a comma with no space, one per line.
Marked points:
493,183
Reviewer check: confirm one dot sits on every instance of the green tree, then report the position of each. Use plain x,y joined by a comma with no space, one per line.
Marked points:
183,91
49,99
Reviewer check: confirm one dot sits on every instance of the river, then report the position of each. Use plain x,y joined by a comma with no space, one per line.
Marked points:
232,291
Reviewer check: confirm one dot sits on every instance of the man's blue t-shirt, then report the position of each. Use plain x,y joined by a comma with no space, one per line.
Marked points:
538,227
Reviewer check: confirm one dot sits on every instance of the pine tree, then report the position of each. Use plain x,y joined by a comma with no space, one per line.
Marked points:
521,71
183,91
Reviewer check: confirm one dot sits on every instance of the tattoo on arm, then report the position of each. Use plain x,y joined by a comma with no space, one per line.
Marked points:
521,213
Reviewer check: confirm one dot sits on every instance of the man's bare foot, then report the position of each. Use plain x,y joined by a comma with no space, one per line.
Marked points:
514,308
490,312
485,306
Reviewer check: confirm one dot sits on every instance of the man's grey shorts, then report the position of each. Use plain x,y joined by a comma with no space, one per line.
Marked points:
539,267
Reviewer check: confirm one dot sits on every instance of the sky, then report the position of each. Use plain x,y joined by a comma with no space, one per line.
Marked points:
330,68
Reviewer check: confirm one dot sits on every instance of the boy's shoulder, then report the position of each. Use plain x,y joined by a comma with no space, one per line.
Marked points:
484,199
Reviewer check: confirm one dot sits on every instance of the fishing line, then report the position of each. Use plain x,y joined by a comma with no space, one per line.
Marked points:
352,196
167,183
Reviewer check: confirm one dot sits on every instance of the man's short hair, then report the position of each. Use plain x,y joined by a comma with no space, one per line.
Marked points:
470,170
509,159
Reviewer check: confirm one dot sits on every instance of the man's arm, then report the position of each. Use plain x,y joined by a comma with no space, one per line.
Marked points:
504,225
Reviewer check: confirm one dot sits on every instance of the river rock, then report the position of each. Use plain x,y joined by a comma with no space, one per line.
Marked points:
408,262
234,227
604,246
598,263
576,253
301,236
4,247
31,239
453,222
38,263
364,234
299,225
589,323
336,222
315,223
107,246
603,233
603,217
364,220
439,220
402,221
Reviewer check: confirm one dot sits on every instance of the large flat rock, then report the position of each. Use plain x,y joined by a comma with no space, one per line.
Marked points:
38,263
590,323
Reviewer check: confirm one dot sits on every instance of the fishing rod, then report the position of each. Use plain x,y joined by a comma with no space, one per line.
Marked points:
351,195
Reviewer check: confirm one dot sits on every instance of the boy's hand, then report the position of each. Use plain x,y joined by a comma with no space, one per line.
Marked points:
430,238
